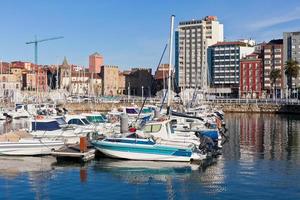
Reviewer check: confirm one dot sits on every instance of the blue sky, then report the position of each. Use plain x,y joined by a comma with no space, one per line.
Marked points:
129,33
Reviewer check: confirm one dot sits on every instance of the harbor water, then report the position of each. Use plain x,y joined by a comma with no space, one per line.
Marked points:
260,160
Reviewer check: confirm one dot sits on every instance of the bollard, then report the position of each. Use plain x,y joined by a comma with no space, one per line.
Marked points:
83,144
124,123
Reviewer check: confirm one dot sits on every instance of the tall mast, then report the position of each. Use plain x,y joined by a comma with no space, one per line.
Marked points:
170,61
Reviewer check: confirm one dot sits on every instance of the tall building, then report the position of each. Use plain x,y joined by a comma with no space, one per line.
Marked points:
224,59
251,75
272,53
291,51
191,41
95,63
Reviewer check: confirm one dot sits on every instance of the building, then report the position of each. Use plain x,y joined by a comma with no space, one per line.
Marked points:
10,86
121,84
140,82
110,77
272,53
95,63
65,73
224,65
161,77
251,76
191,41
291,51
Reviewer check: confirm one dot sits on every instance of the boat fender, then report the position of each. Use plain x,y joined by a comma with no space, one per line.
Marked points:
39,117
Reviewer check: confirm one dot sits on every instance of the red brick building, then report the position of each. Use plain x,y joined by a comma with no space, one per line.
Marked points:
95,62
251,76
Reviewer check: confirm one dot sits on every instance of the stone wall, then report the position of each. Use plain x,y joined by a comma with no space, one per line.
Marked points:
260,108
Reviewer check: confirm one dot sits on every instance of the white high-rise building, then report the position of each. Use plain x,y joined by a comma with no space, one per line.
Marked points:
192,40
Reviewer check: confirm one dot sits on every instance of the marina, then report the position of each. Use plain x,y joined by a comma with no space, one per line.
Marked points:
147,100
256,149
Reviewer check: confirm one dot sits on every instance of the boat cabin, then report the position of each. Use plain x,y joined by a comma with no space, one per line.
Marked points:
51,124
77,120
95,118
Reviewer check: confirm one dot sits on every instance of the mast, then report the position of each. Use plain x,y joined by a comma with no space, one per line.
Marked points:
170,62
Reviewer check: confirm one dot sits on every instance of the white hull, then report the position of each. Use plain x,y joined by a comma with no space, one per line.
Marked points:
69,137
143,156
29,148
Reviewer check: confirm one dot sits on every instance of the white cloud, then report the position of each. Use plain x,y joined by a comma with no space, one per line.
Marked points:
290,16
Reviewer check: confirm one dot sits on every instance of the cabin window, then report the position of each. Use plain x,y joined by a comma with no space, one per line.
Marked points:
75,121
189,120
147,129
156,127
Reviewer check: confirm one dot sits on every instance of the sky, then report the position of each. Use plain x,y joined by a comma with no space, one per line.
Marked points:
129,33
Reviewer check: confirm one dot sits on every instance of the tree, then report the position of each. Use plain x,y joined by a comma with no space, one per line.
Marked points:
274,75
291,71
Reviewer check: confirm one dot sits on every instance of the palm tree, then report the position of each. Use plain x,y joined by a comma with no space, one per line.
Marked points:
274,75
291,71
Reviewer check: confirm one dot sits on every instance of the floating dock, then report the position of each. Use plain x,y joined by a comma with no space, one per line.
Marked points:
82,152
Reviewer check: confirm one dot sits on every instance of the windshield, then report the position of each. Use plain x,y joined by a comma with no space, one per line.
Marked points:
61,121
152,128
131,111
85,121
95,119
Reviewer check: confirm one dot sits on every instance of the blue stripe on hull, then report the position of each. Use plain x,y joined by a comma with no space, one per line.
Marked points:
134,148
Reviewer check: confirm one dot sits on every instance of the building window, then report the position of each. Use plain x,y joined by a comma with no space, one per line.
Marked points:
277,50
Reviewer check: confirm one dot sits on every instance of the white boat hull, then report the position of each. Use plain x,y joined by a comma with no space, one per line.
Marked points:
142,156
29,148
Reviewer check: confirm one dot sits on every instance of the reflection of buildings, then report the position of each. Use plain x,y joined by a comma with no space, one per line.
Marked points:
266,136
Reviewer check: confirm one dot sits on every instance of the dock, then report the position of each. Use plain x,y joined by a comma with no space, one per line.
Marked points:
82,152
73,153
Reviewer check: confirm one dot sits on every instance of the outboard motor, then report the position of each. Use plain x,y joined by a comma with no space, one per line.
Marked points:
206,144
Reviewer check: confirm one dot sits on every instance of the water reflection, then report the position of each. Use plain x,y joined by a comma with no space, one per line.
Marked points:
262,136
29,172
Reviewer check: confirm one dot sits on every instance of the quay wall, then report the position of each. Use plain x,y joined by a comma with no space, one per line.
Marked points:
259,108
97,107
226,107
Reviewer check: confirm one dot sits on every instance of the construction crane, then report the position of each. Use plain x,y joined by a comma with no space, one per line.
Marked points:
35,42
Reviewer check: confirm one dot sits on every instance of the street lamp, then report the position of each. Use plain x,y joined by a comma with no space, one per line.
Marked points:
142,92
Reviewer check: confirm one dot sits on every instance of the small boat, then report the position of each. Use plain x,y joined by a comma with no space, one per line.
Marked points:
147,149
22,143
55,127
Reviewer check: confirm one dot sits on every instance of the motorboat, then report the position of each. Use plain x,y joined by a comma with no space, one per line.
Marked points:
22,143
147,149
55,127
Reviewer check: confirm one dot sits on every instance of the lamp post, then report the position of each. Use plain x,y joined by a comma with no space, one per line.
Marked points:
142,93
128,92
